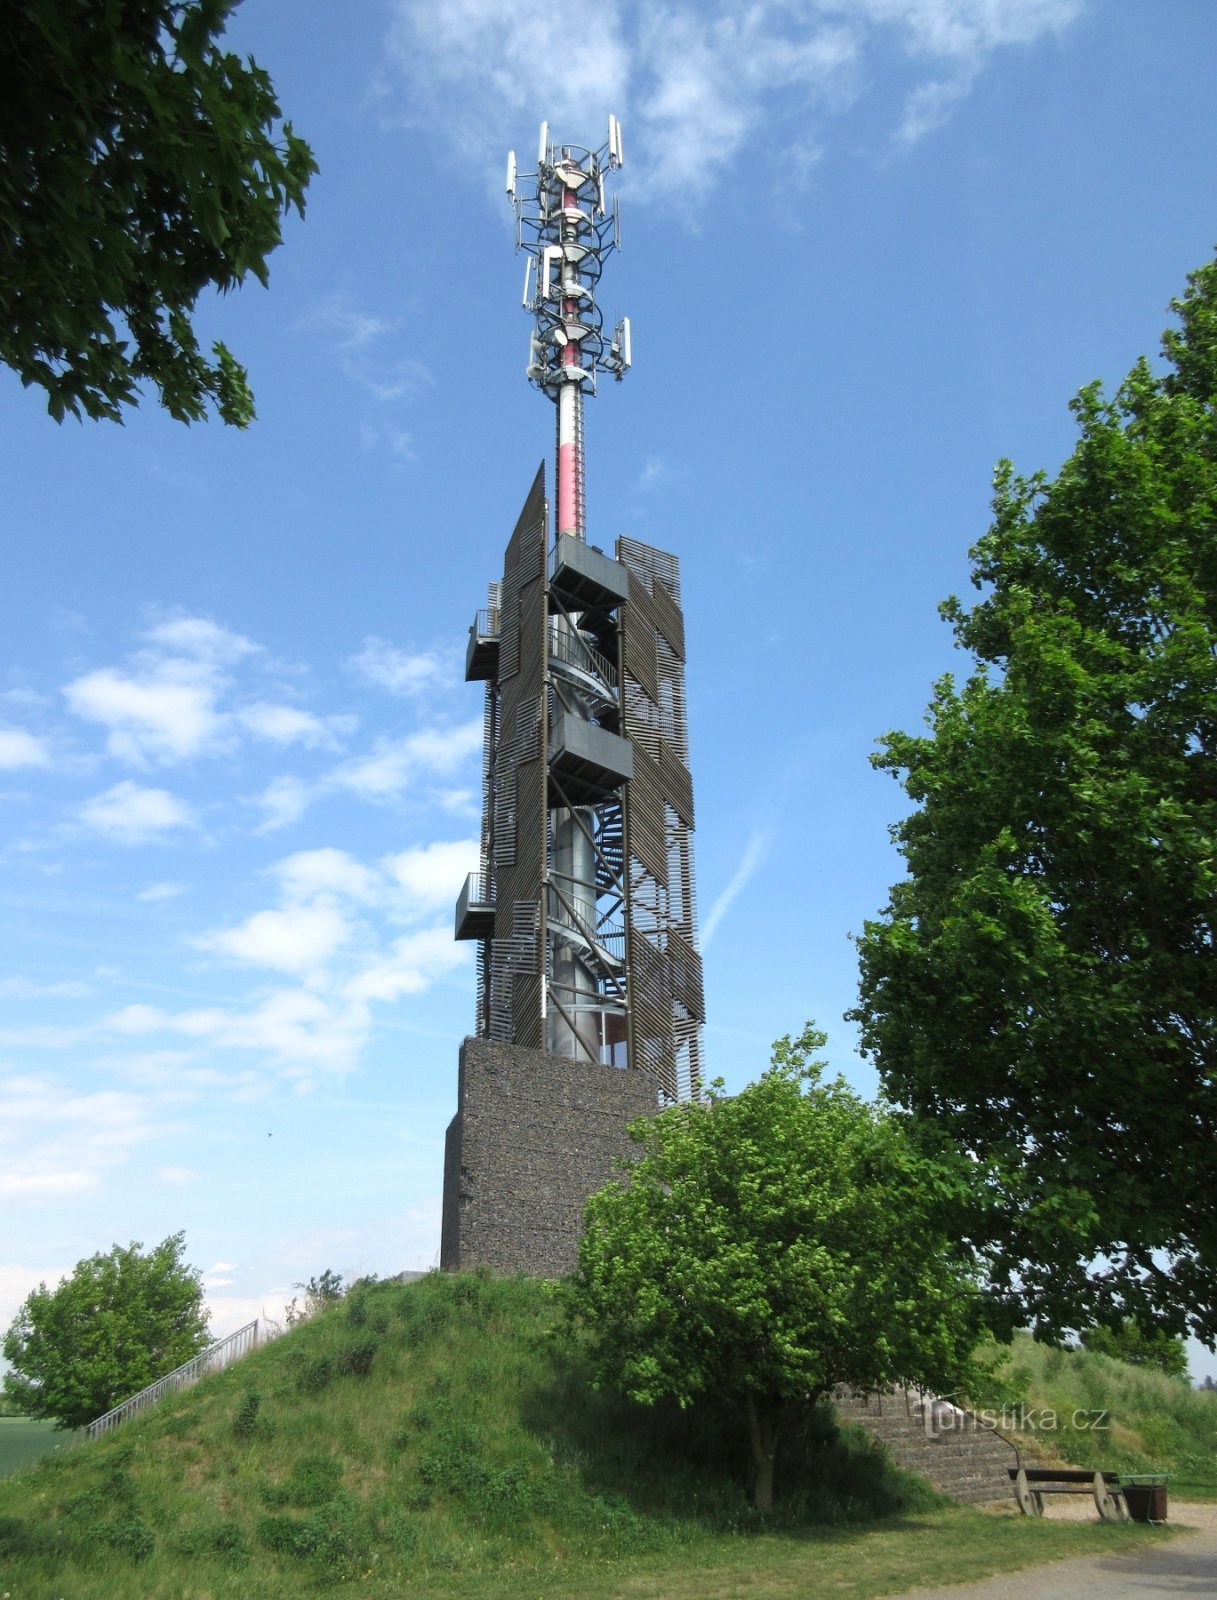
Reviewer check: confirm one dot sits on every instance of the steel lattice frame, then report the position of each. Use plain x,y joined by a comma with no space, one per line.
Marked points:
641,954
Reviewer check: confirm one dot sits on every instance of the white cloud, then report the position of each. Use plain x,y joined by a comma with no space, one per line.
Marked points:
57,1143
161,891
201,638
327,871
754,854
17,1283
414,963
26,989
346,965
171,701
284,801
157,718
360,339
20,748
298,940
350,328
395,763
399,671
288,725
432,874
131,814
477,56
694,83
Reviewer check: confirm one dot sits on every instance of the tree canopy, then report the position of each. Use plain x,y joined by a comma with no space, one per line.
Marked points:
1128,1341
1042,985
766,1248
120,1321
140,163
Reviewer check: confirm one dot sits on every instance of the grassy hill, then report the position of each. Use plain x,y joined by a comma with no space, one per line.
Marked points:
435,1437
1093,1411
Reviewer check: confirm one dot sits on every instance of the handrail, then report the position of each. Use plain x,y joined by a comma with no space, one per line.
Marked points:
569,648
216,1357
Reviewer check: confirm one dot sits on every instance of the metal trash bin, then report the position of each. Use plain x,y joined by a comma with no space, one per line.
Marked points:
1145,1496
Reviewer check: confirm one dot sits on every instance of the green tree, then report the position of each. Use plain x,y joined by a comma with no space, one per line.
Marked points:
766,1248
121,1321
1128,1341
1042,985
140,163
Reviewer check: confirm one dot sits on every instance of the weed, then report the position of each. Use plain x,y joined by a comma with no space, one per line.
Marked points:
245,1423
129,1535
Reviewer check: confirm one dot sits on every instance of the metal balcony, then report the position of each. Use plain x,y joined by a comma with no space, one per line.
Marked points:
585,578
482,655
475,909
589,762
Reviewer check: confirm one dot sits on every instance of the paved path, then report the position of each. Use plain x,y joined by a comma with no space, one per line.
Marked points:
1183,1568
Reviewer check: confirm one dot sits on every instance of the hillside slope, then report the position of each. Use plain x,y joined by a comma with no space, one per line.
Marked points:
1088,1409
411,1431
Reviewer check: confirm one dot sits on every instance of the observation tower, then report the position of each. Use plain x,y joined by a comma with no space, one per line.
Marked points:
589,999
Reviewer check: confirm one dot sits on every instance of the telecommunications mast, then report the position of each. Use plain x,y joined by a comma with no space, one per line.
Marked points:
568,231
566,227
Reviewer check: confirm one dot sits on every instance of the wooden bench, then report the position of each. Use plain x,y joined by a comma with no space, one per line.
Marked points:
1031,1484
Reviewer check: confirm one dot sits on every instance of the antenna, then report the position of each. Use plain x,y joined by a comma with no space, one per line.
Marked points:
568,231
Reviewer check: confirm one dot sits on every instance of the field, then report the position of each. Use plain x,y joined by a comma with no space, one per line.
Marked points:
23,1441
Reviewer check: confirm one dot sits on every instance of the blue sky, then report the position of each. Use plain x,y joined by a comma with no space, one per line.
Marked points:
870,246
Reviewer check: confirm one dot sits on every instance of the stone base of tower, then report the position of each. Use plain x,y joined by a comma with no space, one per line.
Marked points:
534,1135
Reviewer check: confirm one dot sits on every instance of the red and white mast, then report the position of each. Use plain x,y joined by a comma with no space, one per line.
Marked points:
567,229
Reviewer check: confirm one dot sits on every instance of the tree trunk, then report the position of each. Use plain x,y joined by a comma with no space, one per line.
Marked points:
763,1422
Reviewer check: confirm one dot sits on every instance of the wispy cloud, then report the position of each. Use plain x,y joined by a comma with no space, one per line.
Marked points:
697,83
20,748
754,853
55,1143
131,814
185,693
160,891
368,350
402,672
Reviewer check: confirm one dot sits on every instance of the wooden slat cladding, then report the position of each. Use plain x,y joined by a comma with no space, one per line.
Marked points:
651,1014
676,782
666,1001
518,782
668,618
645,806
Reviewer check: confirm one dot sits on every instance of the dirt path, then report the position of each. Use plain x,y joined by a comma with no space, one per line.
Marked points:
1185,1567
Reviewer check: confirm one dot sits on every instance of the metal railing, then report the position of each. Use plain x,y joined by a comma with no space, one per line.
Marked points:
486,623
214,1359
567,646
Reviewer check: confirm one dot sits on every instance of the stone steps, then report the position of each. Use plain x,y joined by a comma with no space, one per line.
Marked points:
959,1455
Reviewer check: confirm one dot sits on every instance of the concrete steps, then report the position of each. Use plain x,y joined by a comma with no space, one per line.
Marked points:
959,1455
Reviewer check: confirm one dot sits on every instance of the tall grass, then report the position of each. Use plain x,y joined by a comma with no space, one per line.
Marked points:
412,1431
1081,1407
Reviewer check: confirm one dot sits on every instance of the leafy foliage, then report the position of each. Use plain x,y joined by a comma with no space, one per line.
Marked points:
1042,983
121,1321
1129,1342
141,165
770,1247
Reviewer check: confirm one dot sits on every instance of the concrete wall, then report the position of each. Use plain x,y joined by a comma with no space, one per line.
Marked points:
533,1136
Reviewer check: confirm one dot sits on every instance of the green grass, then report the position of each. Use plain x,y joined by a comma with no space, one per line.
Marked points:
434,1438
23,1440
1091,1410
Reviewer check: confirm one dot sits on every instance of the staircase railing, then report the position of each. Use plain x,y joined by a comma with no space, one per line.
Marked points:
216,1357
